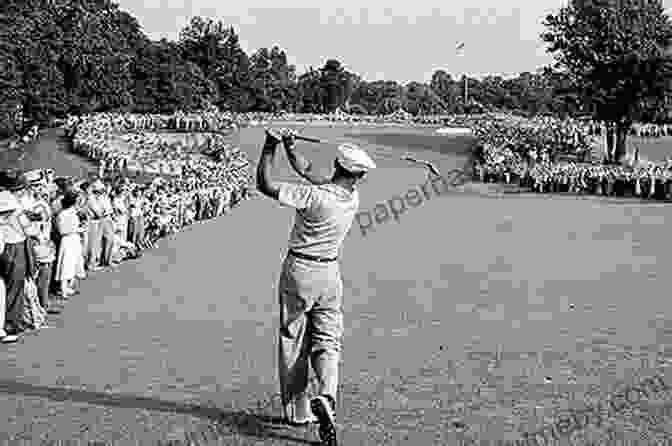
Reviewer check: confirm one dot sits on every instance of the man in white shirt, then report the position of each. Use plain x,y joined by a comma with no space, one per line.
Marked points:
36,203
97,212
310,287
106,228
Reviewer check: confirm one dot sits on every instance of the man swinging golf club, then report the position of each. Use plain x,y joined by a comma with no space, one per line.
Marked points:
310,286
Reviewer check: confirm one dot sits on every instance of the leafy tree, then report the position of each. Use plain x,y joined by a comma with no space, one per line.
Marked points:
216,49
420,99
309,92
614,56
164,82
379,97
272,81
96,48
333,81
11,79
448,90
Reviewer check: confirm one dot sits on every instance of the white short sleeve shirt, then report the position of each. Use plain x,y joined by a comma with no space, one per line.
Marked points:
324,216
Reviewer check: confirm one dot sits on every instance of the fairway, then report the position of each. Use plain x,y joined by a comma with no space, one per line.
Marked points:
184,340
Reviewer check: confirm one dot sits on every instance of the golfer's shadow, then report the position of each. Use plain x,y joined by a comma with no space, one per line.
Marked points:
238,422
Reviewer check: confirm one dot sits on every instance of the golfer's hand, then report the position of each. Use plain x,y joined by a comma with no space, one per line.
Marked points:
288,137
273,136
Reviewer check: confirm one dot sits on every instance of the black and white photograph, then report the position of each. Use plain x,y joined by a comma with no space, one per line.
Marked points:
350,224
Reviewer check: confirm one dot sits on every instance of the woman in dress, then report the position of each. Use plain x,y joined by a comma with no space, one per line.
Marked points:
70,263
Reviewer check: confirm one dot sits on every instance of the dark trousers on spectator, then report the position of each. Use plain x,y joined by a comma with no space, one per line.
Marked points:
43,282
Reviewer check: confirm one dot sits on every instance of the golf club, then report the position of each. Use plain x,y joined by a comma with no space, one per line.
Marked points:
427,164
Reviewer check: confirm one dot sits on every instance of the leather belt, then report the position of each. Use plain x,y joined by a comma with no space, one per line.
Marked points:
300,255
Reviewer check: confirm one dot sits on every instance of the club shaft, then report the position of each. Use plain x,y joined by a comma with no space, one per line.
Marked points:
322,141
309,139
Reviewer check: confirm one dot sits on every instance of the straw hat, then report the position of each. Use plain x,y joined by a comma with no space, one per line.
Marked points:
8,202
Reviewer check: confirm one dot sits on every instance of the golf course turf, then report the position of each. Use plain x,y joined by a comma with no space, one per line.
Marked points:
181,344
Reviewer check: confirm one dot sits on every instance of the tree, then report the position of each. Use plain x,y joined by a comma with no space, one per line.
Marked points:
216,49
272,81
309,92
421,99
165,82
336,84
96,48
614,56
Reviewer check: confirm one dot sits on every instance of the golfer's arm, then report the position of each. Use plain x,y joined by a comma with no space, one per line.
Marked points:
264,183
303,167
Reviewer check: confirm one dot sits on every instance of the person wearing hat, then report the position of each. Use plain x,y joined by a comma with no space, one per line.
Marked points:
107,227
96,213
7,205
310,287
136,223
44,248
17,263
70,262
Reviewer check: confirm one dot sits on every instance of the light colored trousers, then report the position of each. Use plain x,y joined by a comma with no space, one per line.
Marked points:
311,330
3,308
95,240
107,240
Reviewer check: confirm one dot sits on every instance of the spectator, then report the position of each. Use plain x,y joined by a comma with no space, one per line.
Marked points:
17,261
70,263
96,211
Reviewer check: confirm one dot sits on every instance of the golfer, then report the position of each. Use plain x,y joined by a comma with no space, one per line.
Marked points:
310,287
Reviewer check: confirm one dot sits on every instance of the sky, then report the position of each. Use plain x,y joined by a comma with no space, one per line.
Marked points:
406,41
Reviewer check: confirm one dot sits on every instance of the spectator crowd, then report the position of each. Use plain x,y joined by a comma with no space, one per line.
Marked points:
56,231
549,155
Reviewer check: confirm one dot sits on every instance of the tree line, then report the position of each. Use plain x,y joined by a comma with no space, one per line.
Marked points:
81,56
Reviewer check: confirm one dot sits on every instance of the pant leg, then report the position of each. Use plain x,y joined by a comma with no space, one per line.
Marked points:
130,234
43,280
311,327
3,307
326,329
139,230
107,242
85,240
95,239
294,346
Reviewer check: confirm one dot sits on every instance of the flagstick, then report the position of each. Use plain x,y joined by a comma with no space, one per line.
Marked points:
466,89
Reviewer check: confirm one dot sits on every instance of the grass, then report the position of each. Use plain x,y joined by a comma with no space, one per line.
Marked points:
582,284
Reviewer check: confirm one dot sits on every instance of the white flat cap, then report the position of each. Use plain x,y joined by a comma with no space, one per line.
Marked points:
354,159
